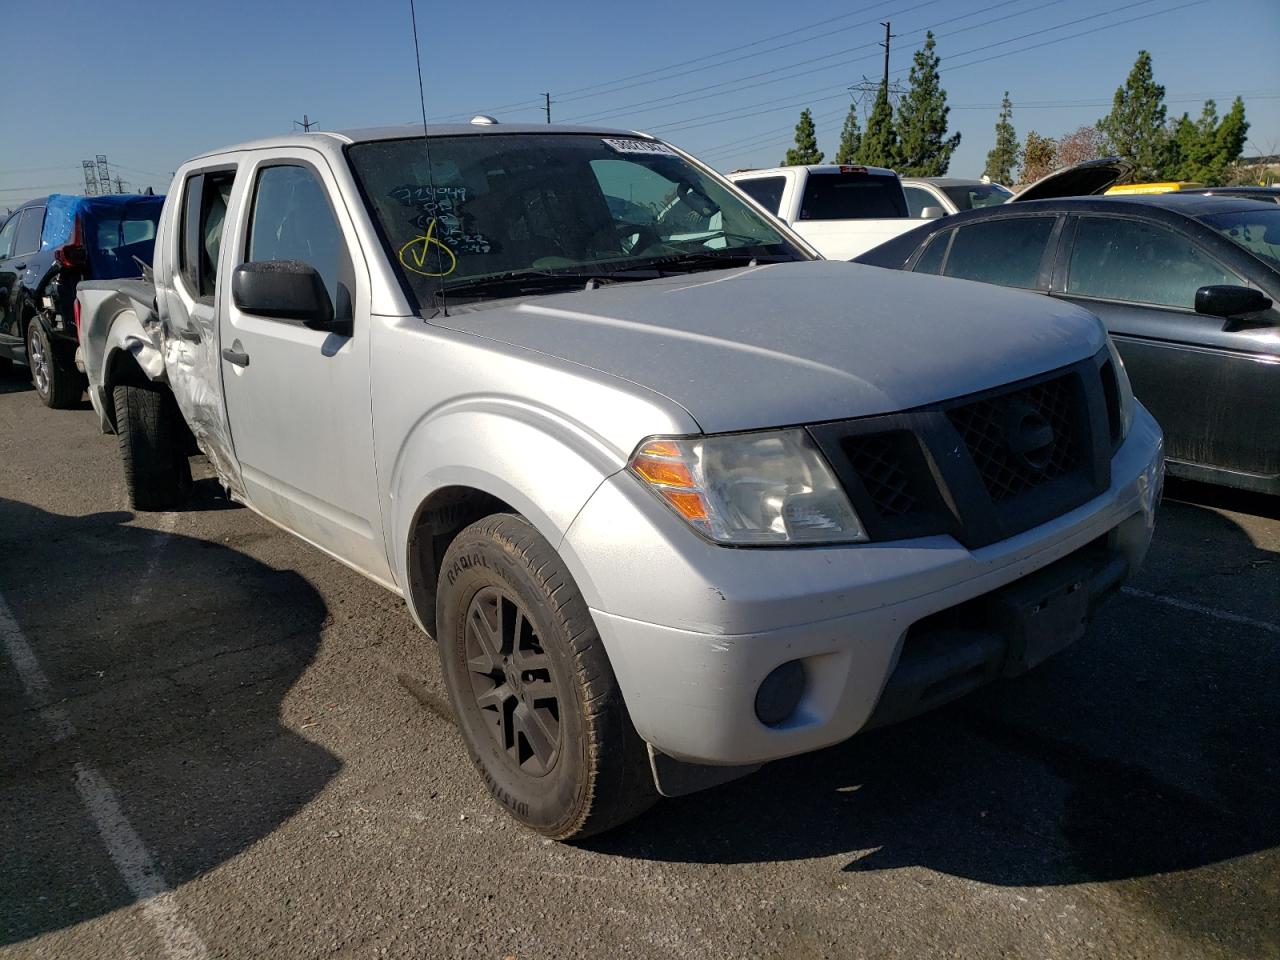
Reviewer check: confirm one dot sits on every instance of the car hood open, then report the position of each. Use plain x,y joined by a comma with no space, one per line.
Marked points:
1078,180
793,343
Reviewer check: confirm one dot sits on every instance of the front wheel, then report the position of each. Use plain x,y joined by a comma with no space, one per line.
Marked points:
57,381
532,689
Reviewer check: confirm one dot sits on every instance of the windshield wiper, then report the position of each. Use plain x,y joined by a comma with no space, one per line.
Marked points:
534,281
708,260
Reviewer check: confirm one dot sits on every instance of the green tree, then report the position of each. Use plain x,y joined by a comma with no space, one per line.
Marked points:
1039,157
806,149
924,149
1135,127
850,137
1205,149
879,146
1004,156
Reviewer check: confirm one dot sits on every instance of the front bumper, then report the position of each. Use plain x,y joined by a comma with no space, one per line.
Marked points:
692,629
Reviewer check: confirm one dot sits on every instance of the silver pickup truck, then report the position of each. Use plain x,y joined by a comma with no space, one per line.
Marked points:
674,496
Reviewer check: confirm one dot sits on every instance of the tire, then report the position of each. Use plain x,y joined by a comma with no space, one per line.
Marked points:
153,447
552,739
57,381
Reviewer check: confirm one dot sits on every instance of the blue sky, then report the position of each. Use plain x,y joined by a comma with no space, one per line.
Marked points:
150,84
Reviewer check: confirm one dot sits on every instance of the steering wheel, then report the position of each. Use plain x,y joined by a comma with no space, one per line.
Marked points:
619,231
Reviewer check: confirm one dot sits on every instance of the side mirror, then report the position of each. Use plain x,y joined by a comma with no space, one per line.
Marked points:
932,213
1231,302
283,290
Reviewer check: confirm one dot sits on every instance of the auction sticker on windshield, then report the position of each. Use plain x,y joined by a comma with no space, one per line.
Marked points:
637,146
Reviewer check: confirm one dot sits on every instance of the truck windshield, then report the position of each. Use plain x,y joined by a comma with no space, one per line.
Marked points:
852,196
498,206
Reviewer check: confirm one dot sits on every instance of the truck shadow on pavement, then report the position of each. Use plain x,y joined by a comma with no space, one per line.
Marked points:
171,657
1151,747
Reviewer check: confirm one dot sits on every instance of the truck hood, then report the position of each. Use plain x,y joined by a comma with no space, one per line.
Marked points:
792,343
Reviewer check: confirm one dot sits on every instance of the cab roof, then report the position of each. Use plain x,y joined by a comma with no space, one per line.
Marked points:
340,138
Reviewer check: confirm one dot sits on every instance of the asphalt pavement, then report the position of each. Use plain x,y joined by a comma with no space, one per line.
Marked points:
217,742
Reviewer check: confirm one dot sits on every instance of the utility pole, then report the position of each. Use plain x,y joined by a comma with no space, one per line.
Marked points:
887,37
306,123
547,98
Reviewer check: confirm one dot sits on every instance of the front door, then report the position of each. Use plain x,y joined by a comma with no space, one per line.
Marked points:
298,399
1212,390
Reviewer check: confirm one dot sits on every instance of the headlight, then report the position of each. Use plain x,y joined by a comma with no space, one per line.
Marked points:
749,488
1123,388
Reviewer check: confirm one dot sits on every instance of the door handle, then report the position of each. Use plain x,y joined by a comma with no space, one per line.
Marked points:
238,357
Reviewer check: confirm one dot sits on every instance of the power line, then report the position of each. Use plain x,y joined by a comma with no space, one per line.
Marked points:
645,106
664,73
1008,53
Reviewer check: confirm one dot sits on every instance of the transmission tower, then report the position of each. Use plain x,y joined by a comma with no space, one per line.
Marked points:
865,91
306,123
90,178
121,184
104,175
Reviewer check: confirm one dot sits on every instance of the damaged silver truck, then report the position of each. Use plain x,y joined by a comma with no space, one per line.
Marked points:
675,496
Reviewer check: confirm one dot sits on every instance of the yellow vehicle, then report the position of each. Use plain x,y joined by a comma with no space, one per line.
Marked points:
1169,187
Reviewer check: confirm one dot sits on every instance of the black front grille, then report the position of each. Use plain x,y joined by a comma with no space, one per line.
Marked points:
884,472
985,427
982,467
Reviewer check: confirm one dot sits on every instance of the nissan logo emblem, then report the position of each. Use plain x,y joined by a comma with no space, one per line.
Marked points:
1029,436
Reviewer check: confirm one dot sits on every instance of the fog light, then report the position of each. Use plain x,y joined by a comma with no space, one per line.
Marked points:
780,693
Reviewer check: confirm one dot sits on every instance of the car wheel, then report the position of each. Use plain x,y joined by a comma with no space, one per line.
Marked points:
58,383
153,446
532,689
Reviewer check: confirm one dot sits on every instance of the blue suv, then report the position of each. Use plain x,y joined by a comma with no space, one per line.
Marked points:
47,246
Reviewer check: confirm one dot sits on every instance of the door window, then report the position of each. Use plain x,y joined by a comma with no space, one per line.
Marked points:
1137,262
6,235
204,210
28,238
766,191
1007,251
917,199
291,220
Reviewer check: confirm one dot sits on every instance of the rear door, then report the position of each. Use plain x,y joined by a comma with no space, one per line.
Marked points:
300,408
1203,384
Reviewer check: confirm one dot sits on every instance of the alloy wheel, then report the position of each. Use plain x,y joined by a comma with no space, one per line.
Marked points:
511,681
38,360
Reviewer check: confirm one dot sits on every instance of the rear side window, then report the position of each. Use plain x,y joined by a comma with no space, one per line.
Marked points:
291,220
204,210
28,237
852,196
766,191
1006,252
931,259
1117,259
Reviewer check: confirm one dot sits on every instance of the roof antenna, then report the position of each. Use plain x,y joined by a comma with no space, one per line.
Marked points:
426,141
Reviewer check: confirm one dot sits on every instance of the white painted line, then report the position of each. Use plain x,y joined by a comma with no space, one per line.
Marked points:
33,679
125,847
137,867
1214,612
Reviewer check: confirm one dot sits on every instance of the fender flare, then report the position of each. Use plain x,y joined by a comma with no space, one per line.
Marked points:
541,464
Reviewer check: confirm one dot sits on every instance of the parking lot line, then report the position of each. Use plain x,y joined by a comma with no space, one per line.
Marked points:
1214,612
127,851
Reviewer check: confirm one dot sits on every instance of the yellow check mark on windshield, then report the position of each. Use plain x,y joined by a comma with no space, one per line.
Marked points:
413,255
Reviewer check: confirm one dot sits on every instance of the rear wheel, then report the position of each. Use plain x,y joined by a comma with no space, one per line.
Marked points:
532,689
153,446
57,381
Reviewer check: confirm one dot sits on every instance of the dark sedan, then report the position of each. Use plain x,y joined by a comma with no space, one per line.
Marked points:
1186,284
